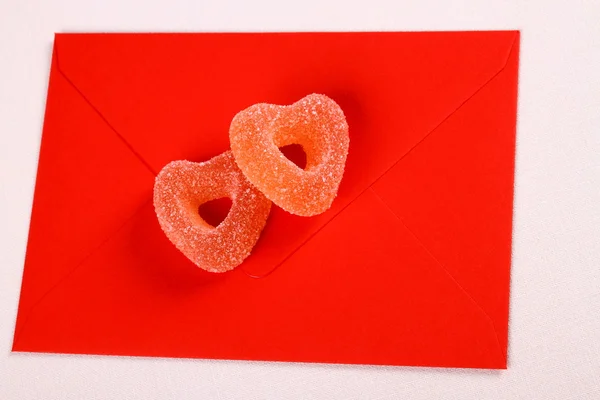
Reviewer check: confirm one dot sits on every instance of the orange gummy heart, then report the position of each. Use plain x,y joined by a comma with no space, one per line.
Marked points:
316,123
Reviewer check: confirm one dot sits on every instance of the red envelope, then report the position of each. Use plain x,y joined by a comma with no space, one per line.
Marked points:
410,266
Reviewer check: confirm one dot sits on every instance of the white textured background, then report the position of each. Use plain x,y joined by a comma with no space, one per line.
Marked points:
554,345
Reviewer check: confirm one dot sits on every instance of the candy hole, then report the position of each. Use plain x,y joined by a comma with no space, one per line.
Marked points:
295,153
215,211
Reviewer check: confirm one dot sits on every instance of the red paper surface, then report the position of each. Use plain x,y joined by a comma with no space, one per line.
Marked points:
410,266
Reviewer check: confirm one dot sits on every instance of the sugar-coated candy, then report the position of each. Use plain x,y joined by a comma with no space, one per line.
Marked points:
316,123
179,190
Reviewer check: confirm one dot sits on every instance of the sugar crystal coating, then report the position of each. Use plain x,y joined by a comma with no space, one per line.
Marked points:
182,186
316,123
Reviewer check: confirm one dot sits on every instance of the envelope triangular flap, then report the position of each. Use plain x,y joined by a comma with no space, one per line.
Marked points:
88,183
375,297
172,96
455,193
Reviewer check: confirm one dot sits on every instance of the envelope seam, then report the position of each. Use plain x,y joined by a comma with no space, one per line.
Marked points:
512,46
516,36
111,127
446,271
71,271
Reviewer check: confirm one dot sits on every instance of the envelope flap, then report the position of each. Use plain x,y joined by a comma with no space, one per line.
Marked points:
88,184
172,96
375,297
455,194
